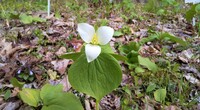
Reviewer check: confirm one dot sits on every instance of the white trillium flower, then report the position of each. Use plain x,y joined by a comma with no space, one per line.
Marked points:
93,39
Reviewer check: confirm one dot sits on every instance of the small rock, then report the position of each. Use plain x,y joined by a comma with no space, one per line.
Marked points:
169,54
187,53
12,105
185,56
192,79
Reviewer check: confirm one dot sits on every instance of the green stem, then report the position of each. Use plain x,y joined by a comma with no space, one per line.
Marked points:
97,105
4,13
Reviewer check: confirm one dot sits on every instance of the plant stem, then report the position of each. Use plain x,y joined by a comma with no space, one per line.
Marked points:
48,8
97,105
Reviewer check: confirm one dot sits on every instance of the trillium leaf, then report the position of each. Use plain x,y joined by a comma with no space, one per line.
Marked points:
55,99
119,57
106,49
96,78
30,96
72,56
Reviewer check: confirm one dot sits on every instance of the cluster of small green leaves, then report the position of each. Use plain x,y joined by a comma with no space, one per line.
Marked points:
194,11
25,19
41,37
159,88
49,97
8,9
132,51
134,59
161,7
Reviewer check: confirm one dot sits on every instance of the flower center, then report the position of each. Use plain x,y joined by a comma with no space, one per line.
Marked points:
95,39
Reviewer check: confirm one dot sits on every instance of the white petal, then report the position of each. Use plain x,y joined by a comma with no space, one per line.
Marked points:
92,52
86,31
104,34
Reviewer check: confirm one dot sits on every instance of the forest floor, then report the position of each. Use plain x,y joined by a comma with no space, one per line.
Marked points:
30,50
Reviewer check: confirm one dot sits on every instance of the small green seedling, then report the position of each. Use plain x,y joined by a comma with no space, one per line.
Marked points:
27,19
50,98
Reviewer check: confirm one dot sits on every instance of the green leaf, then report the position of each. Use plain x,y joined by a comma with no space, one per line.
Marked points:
96,78
132,46
119,57
7,94
151,5
38,19
173,38
160,95
72,56
190,13
147,63
148,39
14,15
117,34
197,8
48,93
16,83
106,48
26,19
25,76
160,12
139,70
151,87
133,57
199,28
64,101
57,15
55,99
30,96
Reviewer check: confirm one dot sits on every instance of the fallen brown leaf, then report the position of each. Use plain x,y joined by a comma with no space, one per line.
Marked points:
60,65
